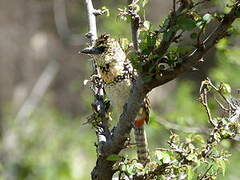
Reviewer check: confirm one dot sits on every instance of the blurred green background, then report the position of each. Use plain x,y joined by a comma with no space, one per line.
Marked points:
44,104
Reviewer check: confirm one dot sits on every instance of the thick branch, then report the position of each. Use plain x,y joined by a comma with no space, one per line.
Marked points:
124,126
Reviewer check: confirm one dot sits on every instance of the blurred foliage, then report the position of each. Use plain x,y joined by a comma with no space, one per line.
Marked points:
52,146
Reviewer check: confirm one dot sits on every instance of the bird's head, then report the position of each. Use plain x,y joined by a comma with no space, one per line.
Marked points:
106,50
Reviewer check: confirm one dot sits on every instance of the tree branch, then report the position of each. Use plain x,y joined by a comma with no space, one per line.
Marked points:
92,34
167,39
99,105
195,57
135,20
103,169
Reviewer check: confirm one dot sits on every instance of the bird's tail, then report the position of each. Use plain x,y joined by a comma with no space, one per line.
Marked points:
142,145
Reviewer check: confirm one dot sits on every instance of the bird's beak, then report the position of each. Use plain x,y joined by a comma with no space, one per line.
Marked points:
91,50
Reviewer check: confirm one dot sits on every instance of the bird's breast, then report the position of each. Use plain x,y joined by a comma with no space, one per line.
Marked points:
118,93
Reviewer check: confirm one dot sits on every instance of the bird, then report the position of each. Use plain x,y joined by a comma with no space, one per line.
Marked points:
118,75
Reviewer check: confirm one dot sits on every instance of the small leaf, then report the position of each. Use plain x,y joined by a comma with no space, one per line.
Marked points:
85,82
136,7
237,13
222,44
147,79
114,157
138,166
207,18
192,157
123,167
163,156
194,35
225,88
124,43
106,10
130,169
159,155
185,23
168,35
198,138
147,25
166,157
184,49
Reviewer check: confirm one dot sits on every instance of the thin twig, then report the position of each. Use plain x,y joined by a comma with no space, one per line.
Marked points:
204,101
135,20
174,6
219,92
206,172
200,2
99,104
221,105
199,45
92,22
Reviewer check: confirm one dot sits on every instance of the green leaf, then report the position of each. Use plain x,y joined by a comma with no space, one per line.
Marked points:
194,35
191,157
200,23
106,10
137,8
167,35
184,49
198,138
163,156
130,169
222,44
148,41
186,24
166,157
123,167
133,57
114,157
147,25
138,166
225,88
124,43
237,13
147,79
207,18
159,155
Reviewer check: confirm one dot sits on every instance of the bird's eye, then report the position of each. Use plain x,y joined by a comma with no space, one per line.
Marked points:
102,48
107,66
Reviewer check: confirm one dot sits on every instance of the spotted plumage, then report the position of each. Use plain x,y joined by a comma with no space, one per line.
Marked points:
118,76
